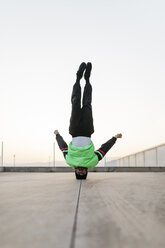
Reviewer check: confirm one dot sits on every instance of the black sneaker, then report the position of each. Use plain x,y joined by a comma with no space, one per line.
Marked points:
88,71
81,70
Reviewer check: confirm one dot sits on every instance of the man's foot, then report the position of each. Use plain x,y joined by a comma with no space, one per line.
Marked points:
88,71
81,70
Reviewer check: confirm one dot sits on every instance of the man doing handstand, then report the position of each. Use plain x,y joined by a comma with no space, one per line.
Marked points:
80,154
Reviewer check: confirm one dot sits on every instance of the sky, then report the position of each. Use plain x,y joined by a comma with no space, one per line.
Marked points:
42,44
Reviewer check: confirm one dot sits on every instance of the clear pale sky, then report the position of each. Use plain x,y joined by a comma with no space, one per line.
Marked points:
42,44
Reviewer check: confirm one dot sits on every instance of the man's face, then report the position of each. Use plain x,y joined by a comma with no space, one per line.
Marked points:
81,171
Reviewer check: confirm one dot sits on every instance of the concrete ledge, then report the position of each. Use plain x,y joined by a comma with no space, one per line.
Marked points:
69,169
135,169
37,169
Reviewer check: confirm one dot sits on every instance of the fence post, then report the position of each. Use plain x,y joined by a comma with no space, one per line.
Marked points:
2,154
144,158
156,150
105,161
128,160
14,160
135,161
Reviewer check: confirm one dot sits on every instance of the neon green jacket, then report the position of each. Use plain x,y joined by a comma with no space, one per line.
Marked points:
82,156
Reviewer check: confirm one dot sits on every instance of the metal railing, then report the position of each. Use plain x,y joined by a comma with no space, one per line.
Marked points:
151,157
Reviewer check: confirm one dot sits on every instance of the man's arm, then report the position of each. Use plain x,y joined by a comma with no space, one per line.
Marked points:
107,146
61,143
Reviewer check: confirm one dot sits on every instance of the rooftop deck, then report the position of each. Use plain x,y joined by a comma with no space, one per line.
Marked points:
118,210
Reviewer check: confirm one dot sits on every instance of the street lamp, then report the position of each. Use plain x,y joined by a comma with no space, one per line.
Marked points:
54,154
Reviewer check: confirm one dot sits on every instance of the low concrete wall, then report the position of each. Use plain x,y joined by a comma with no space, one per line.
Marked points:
1,169
96,169
37,169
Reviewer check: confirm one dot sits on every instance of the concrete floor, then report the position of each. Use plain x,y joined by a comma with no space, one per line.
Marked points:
53,210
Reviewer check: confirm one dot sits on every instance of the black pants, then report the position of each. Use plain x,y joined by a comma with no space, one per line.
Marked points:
81,121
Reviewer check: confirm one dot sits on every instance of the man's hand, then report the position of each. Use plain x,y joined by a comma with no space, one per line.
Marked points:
118,136
56,132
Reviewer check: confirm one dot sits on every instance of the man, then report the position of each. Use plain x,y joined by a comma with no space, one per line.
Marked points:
80,154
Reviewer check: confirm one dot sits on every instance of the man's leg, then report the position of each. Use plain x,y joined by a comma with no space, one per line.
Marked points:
87,117
76,103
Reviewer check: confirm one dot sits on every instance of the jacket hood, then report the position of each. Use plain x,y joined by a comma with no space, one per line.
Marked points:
76,151
81,156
